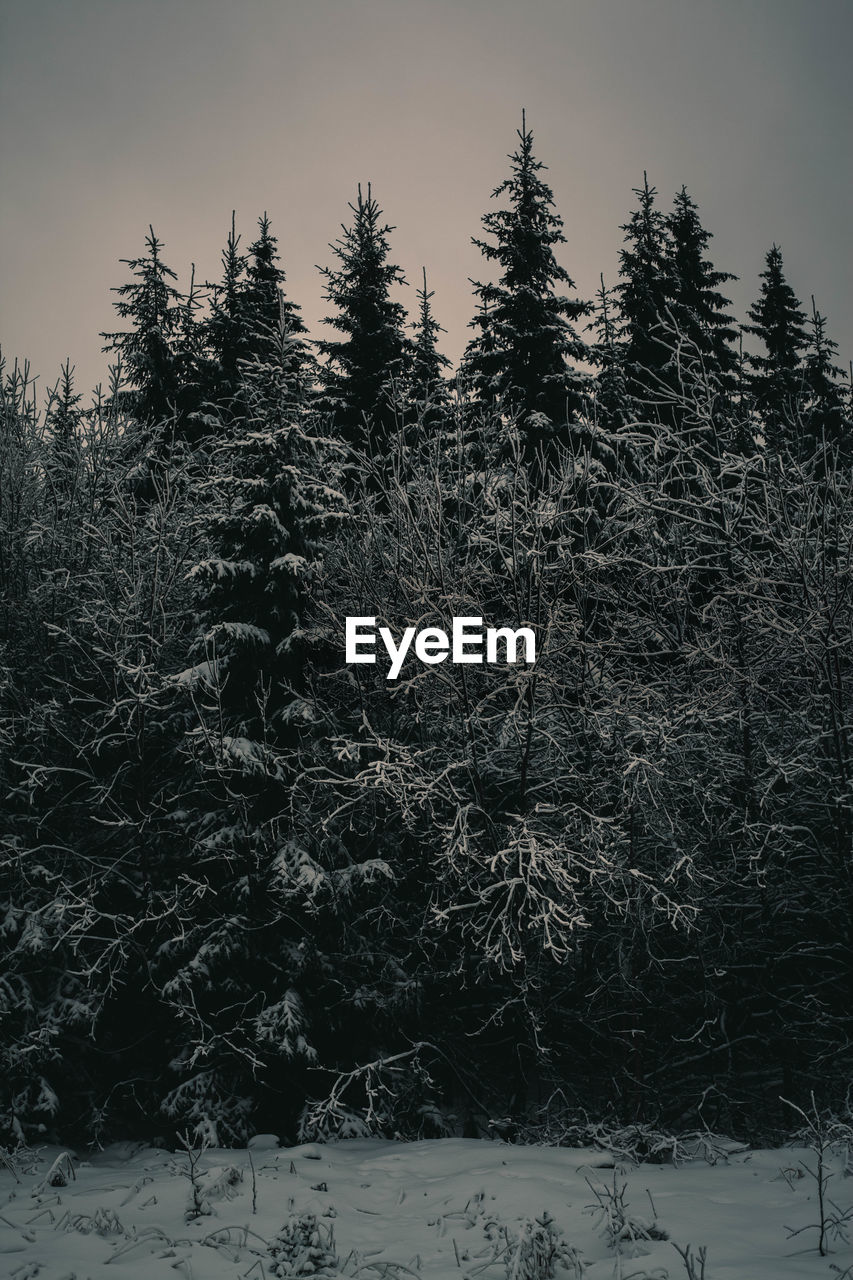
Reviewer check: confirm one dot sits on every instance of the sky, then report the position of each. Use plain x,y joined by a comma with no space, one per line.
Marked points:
117,114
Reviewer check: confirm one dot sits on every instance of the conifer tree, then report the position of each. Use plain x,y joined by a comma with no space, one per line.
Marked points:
645,296
251,584
273,313
699,309
227,329
64,476
427,384
525,350
777,378
149,350
611,403
193,361
63,420
825,422
247,690
265,281
248,306
358,377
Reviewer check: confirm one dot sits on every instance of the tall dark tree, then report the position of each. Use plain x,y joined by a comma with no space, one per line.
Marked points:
777,373
645,297
247,308
361,368
227,330
826,420
525,351
251,583
150,349
63,420
611,403
427,383
699,309
247,694
265,280
272,314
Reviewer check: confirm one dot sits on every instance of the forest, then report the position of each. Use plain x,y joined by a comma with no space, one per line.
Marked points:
246,886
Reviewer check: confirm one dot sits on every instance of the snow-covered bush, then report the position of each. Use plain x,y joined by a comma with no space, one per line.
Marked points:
303,1247
535,1250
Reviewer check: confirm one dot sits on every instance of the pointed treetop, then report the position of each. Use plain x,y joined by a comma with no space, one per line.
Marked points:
427,378
149,349
525,345
777,379
360,370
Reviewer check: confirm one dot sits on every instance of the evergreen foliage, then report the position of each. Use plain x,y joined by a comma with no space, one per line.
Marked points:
246,311
826,420
258,521
265,298
525,353
645,293
611,403
149,351
358,378
777,373
227,332
699,310
246,687
427,380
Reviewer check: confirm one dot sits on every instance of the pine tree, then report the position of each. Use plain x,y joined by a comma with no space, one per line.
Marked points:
611,402
63,421
427,384
247,691
358,377
825,421
645,297
227,329
272,313
64,502
524,353
149,351
247,309
251,585
698,308
193,362
265,283
777,379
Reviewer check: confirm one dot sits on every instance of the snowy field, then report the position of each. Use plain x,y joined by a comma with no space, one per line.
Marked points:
445,1208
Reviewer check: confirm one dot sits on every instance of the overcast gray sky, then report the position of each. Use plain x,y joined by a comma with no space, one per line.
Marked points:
121,113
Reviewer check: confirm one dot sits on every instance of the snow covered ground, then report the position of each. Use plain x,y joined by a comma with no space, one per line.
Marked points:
446,1208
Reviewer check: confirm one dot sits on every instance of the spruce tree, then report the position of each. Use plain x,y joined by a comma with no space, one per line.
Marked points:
777,378
825,422
358,377
193,362
64,417
699,309
227,328
427,383
611,403
272,313
237,1036
149,350
64,475
251,584
247,308
645,298
524,354
265,280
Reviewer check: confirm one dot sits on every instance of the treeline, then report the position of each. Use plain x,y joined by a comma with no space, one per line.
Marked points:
244,886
